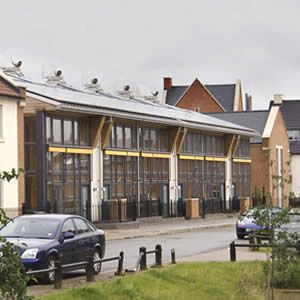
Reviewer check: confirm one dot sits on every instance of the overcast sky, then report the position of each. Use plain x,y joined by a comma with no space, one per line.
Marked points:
141,41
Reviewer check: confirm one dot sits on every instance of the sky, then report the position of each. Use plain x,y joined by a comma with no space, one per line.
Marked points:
138,42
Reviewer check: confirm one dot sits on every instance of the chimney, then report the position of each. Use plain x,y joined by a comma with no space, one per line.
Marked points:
167,83
248,100
278,99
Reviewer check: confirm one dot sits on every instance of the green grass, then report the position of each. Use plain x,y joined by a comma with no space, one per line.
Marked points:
216,280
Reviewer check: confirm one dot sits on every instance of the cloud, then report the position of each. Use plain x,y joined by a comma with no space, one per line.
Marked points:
141,41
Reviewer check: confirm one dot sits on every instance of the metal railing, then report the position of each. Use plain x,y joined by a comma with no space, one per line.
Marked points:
233,246
59,268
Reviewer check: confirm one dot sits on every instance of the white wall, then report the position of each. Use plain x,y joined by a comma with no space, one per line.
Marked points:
295,171
9,152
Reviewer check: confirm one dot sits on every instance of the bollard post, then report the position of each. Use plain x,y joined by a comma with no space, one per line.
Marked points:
120,265
158,255
143,263
232,252
203,208
90,277
58,275
173,256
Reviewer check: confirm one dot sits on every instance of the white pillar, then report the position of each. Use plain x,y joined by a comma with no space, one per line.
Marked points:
228,180
96,183
173,178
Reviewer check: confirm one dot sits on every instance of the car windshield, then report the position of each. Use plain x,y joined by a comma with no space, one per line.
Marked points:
30,228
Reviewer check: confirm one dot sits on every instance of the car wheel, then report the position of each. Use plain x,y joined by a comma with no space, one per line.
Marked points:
50,277
240,236
96,257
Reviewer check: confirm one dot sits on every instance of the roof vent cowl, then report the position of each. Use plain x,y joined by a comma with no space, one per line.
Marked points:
93,86
15,69
55,78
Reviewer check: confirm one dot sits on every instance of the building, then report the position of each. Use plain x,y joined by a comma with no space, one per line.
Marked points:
12,102
115,158
269,155
204,98
290,110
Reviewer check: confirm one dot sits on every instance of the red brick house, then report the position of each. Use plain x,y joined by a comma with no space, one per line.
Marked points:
204,98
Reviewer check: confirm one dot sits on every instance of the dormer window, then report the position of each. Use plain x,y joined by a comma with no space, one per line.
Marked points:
294,135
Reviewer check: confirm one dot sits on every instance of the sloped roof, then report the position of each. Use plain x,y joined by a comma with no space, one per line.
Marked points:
8,88
175,93
251,119
224,93
72,99
291,113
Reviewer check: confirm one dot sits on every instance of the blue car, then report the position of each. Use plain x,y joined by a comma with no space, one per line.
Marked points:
43,238
246,223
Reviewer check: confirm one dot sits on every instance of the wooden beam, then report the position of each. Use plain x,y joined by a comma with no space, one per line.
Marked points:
97,124
174,135
106,130
180,139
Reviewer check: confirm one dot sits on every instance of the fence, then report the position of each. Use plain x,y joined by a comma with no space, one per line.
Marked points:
233,246
59,268
89,265
217,205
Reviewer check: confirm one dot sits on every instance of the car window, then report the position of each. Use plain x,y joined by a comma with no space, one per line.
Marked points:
81,226
68,226
30,228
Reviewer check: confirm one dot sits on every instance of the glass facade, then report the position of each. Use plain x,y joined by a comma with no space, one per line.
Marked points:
30,162
241,179
243,148
67,132
67,175
201,178
201,144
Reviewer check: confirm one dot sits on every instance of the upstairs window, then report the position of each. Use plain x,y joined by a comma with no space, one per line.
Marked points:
294,135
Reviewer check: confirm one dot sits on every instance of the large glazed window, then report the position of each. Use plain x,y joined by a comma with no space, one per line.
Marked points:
243,148
63,131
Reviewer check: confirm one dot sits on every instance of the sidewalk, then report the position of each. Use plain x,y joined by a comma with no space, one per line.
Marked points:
170,226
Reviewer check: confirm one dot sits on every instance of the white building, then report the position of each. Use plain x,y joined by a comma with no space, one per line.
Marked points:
12,102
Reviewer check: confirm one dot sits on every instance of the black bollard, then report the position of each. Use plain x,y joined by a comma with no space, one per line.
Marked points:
158,255
120,264
173,256
143,263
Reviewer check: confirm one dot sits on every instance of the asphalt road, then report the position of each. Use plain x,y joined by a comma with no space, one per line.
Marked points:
185,245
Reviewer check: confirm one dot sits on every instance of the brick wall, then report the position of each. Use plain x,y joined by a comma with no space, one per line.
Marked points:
198,97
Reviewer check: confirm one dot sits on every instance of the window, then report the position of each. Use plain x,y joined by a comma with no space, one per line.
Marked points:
57,131
1,121
68,132
294,135
68,226
81,226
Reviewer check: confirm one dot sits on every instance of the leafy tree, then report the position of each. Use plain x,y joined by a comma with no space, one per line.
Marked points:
12,277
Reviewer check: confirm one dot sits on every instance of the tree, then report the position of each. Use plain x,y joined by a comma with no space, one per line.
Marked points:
12,277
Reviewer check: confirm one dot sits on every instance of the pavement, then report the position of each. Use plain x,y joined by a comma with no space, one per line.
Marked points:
171,226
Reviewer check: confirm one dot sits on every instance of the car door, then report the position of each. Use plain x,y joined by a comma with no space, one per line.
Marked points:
68,246
82,240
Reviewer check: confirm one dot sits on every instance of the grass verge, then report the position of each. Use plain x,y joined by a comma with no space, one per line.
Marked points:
213,280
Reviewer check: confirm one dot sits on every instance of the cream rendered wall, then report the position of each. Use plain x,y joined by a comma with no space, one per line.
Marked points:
9,153
295,171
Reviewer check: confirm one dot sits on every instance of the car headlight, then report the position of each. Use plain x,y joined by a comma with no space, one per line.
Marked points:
30,253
